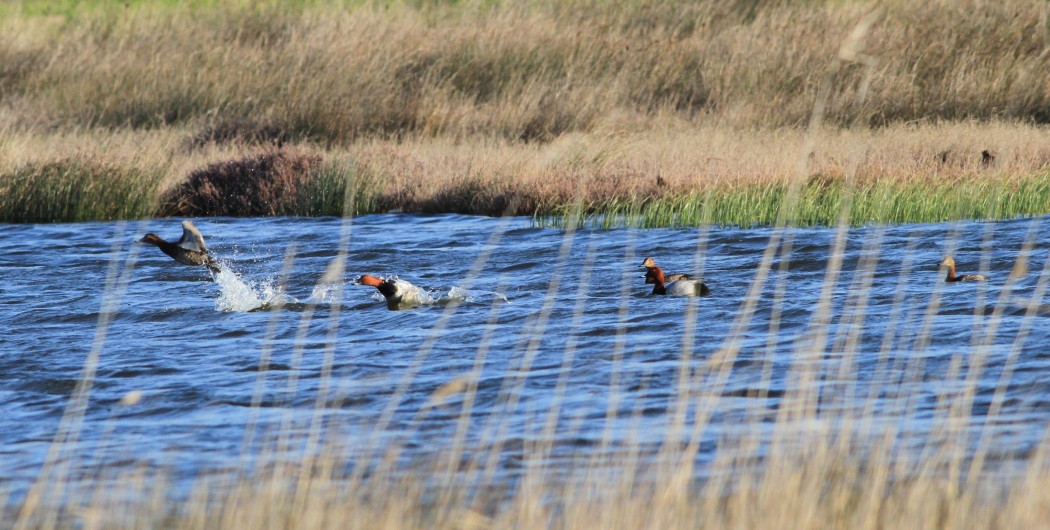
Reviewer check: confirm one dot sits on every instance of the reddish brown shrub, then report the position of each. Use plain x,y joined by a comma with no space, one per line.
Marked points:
269,183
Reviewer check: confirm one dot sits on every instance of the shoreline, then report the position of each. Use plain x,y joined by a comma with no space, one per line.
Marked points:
684,176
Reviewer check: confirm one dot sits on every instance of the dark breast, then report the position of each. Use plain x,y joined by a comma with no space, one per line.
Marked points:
386,289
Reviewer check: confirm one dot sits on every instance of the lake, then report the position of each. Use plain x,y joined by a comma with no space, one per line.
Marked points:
572,357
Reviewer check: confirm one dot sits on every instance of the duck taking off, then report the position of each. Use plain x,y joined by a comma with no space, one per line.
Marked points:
399,294
949,263
189,249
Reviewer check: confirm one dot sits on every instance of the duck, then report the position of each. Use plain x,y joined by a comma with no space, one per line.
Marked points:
949,262
676,288
189,249
650,264
399,294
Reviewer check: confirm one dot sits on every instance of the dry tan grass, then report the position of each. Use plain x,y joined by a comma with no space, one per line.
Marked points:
475,107
624,164
525,72
614,163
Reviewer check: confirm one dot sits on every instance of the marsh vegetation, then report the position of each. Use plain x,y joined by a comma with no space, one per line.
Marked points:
640,108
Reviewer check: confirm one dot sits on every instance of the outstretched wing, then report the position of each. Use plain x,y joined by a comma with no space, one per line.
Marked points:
192,238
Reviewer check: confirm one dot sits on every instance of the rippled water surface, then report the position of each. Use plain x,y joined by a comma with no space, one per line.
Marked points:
533,308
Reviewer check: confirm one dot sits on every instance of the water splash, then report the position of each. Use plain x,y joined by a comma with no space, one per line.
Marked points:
239,296
324,293
457,295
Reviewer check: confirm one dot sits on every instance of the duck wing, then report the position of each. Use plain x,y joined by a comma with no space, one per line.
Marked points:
192,239
678,277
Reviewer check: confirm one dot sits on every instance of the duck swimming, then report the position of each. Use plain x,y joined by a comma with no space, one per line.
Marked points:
649,264
675,288
189,249
399,294
949,262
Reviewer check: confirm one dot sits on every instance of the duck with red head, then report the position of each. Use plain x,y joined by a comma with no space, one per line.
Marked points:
675,288
189,249
399,294
949,263
649,264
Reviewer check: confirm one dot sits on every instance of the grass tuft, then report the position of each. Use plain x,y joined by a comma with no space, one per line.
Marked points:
76,189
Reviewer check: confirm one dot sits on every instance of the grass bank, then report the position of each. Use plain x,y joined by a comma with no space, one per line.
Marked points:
819,202
671,177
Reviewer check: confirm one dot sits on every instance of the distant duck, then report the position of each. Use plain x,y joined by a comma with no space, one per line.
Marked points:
649,264
676,288
189,249
399,294
949,262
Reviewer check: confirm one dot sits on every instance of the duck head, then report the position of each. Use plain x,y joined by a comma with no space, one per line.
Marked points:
649,265
368,279
151,238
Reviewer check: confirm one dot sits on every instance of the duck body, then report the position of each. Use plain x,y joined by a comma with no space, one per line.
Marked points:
675,288
399,294
951,276
189,249
673,277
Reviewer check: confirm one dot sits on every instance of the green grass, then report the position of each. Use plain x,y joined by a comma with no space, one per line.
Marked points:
339,188
76,189
82,189
819,203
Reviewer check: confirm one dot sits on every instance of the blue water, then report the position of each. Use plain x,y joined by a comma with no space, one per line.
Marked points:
541,307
